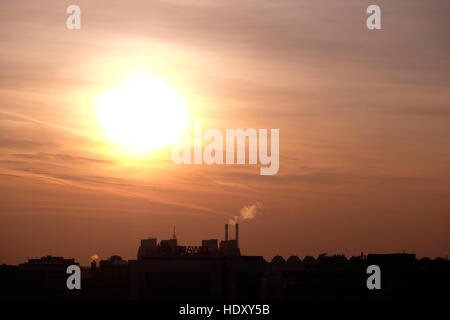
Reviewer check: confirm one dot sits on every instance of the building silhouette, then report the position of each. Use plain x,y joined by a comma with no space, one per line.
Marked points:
208,271
216,270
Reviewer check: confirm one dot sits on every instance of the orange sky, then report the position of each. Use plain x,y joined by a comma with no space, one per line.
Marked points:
363,118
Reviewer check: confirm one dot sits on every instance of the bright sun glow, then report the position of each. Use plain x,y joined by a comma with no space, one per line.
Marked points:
144,114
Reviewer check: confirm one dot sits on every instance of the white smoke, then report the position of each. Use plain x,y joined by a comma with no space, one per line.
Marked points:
248,212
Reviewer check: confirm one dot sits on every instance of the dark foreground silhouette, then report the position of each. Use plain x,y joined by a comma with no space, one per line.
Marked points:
216,271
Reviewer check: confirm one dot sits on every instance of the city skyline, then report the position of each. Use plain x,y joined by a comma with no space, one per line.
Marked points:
218,271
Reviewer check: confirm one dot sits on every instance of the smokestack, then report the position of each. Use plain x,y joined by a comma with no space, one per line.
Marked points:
237,234
226,232
93,266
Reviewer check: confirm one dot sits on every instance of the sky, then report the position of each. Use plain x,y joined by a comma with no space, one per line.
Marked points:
363,118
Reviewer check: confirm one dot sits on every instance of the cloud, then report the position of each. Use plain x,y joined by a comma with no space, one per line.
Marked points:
12,143
60,157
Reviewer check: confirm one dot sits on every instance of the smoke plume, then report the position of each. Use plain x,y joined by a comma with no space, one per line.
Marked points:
248,212
94,257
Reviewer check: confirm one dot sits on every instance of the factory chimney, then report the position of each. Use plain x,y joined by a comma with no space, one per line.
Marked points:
93,267
226,232
237,234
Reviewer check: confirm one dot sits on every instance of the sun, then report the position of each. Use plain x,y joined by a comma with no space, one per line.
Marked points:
142,115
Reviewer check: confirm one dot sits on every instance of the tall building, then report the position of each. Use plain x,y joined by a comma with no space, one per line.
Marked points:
208,271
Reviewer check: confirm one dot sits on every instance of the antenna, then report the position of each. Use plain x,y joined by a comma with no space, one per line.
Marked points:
174,237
